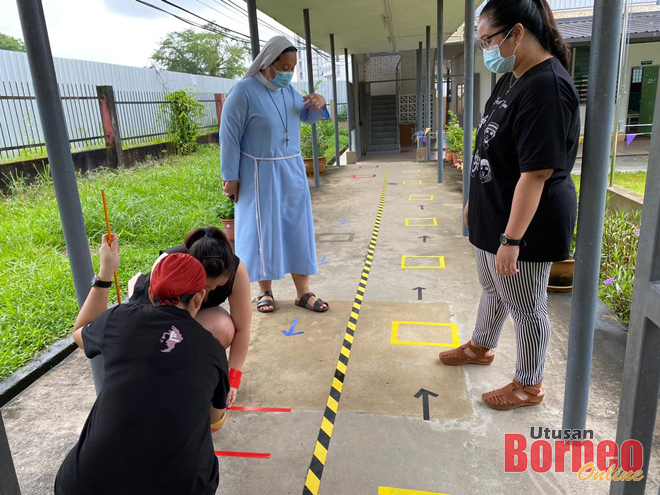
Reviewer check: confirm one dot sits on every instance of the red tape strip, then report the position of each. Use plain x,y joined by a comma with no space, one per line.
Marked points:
262,409
255,455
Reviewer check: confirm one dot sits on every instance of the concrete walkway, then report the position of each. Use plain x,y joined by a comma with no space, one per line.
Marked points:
380,439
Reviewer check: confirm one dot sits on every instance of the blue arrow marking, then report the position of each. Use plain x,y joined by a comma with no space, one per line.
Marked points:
322,261
343,222
290,332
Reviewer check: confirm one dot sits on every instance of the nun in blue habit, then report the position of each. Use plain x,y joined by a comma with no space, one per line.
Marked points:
264,174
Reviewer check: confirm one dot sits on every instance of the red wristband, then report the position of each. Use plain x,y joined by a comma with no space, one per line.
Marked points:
235,378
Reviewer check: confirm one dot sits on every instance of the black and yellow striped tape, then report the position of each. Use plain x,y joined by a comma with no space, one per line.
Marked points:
315,472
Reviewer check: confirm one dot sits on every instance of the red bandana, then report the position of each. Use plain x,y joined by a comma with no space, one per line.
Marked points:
176,275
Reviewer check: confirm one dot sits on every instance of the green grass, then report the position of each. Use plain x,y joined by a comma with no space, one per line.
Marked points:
152,206
633,181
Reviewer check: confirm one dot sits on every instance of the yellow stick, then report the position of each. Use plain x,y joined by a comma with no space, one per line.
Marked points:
107,224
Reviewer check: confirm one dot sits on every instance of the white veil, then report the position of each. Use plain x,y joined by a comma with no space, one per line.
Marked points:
267,56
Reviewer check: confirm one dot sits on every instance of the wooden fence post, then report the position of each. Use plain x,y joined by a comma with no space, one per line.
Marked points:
219,102
110,121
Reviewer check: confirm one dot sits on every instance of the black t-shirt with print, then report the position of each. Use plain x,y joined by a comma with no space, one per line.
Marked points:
149,429
536,126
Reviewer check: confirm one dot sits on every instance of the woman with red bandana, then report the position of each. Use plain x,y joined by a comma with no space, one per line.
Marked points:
165,385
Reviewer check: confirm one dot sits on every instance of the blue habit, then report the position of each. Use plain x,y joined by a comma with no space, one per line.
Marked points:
274,223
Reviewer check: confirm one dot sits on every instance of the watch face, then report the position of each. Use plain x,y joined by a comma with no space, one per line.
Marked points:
504,240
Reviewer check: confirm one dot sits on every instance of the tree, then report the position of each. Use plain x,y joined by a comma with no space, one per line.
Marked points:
206,53
11,43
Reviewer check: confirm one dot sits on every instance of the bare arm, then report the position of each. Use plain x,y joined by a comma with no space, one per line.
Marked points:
97,299
526,201
241,314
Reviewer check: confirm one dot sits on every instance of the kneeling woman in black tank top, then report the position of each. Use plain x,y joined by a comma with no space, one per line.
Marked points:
226,280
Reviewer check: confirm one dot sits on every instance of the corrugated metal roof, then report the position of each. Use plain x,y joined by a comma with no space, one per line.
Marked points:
642,26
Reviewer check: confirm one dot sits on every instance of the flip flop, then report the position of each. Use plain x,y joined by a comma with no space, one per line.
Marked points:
266,302
302,302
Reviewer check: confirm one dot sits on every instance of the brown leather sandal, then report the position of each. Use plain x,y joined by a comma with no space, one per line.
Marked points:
513,396
467,354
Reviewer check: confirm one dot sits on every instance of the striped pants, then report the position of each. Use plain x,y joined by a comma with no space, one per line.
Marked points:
525,297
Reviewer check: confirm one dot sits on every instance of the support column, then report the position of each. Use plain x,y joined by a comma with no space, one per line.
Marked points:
428,91
441,94
356,104
349,120
53,124
468,102
310,85
641,369
420,125
254,27
598,129
110,121
8,478
334,99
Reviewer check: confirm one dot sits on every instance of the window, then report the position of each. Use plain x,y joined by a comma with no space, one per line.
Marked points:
581,71
637,75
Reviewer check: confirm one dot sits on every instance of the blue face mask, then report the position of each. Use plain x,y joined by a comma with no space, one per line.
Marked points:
281,79
495,62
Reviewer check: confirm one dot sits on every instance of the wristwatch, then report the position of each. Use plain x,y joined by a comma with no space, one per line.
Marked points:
101,284
505,240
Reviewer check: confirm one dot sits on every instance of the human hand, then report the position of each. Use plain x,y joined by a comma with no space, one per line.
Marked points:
314,101
507,259
109,256
231,396
230,189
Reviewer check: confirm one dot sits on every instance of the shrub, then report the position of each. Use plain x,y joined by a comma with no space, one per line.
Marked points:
182,127
226,208
619,256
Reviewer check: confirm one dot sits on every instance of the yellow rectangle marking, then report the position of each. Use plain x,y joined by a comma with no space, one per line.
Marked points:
327,427
411,182
411,171
422,197
341,367
356,305
349,337
422,222
345,352
359,297
337,384
453,328
351,325
441,262
312,482
386,490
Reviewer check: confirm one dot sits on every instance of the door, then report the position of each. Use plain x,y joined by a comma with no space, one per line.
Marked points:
647,101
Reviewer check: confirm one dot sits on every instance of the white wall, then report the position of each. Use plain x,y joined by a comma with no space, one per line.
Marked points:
384,88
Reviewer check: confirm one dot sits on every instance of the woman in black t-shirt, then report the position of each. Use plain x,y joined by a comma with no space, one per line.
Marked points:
226,280
522,205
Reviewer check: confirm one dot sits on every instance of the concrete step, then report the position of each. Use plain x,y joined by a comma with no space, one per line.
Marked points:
383,142
383,135
386,148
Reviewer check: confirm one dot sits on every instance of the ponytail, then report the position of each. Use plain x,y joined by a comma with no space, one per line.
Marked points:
551,39
212,249
538,19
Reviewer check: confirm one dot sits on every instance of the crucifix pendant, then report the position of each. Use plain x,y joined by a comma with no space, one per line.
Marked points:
286,141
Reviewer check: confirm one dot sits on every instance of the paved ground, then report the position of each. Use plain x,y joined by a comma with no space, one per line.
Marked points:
633,158
380,438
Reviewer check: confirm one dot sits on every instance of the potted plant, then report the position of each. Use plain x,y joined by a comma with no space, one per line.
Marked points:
561,273
226,214
455,138
306,147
